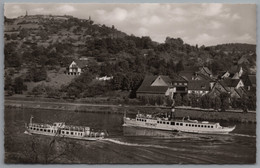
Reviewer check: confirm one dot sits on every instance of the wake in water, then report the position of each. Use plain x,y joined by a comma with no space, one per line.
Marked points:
243,135
133,144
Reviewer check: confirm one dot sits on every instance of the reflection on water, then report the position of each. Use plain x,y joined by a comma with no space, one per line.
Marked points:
139,145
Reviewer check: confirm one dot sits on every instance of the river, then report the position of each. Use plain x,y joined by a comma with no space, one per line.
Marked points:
124,144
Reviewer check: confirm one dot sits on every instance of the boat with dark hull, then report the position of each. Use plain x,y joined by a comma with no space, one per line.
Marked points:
59,129
171,124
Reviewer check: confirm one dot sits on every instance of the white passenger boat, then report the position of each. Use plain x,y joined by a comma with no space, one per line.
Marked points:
59,129
171,124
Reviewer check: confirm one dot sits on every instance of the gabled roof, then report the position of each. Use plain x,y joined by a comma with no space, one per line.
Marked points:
177,78
230,82
202,85
81,63
223,85
240,91
206,69
187,75
147,88
205,77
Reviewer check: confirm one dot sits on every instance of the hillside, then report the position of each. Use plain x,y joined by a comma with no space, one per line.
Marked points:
37,44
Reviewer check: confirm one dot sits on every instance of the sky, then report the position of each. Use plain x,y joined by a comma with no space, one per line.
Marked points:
202,24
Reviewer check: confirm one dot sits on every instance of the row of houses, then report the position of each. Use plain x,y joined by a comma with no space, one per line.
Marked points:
200,82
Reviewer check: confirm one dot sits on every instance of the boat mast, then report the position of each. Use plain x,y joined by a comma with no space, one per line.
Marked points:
31,119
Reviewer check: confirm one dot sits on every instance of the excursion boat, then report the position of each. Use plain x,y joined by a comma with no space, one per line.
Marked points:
59,129
171,124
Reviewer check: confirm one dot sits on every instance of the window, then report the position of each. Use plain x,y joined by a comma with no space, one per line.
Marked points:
62,132
49,130
192,125
44,130
34,128
71,133
185,83
158,122
180,83
177,123
172,123
40,129
163,122
67,132
198,125
181,124
208,126
167,122
211,126
189,125
195,125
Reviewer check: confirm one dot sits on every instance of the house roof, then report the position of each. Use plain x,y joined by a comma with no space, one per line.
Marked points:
205,77
187,75
206,69
202,85
147,88
81,63
177,78
240,91
230,82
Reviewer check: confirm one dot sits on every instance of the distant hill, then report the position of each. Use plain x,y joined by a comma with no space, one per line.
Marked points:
235,47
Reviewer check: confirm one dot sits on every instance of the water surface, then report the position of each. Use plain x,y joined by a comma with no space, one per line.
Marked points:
126,144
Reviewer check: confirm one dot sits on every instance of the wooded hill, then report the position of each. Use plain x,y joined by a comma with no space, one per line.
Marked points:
39,43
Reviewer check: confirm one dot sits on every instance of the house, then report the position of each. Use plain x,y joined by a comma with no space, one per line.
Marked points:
235,72
234,87
155,86
77,67
199,87
191,76
205,71
162,86
180,84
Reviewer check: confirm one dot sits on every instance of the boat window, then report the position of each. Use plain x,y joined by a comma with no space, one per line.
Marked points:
34,128
144,120
177,123
67,132
181,124
163,122
49,130
54,124
44,130
157,121
208,126
198,125
167,122
71,133
172,123
62,132
195,125
160,122
40,129
211,126
192,125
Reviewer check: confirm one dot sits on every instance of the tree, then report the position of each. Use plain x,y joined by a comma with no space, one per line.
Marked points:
224,97
19,86
179,66
178,100
185,100
217,103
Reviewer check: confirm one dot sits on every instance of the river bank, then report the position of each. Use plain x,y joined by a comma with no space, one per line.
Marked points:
228,116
